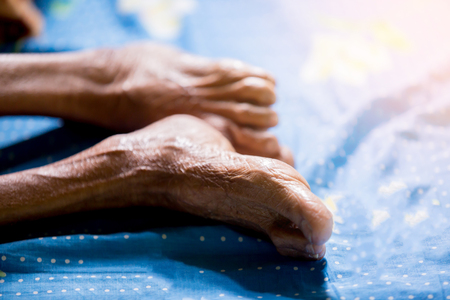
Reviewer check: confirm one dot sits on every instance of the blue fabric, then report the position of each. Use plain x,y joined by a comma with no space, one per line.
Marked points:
373,142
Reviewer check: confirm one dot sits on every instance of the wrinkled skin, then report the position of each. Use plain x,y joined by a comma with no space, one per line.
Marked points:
155,81
207,167
127,88
179,163
208,178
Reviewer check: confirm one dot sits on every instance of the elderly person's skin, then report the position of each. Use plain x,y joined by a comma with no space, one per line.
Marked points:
128,88
180,163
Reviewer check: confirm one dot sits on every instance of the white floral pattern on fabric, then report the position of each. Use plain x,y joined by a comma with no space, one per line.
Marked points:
161,18
393,187
351,53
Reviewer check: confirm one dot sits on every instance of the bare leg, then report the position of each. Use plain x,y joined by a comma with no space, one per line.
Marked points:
180,163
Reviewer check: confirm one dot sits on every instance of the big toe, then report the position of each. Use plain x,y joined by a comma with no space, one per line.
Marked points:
310,215
305,223
290,241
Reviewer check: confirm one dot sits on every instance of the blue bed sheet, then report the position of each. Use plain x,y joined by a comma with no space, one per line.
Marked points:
364,102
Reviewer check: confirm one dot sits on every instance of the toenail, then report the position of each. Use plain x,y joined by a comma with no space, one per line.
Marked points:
314,250
306,229
310,249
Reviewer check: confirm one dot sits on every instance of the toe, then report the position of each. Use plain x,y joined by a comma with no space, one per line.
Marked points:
228,71
257,89
290,241
244,114
255,142
293,199
308,212
245,140
251,89
237,69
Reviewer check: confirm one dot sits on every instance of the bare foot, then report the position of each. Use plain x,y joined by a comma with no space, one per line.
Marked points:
155,81
180,163
18,19
203,175
251,141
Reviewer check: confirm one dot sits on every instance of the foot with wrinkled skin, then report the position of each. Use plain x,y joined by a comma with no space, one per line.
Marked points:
208,178
127,88
156,81
180,163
